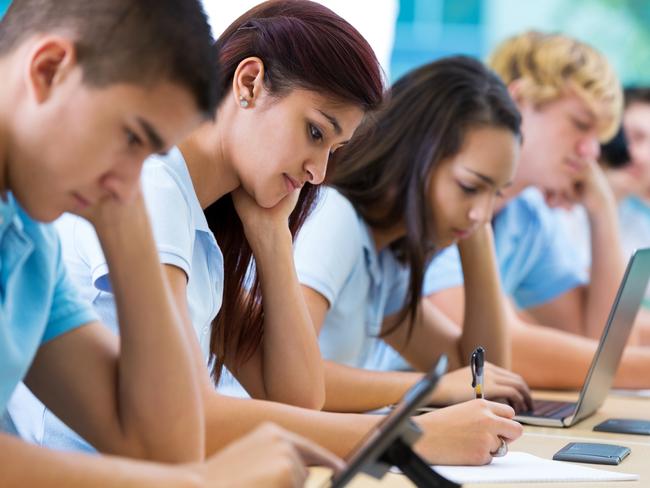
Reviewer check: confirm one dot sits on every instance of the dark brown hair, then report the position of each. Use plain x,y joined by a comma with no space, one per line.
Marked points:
302,45
384,171
615,153
636,94
126,41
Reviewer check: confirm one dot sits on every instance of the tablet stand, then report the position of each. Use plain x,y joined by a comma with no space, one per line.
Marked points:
400,454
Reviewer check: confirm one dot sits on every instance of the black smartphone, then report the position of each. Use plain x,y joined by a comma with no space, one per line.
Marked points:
375,443
624,426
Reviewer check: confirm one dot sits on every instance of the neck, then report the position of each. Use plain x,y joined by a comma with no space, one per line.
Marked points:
209,163
384,237
521,180
8,97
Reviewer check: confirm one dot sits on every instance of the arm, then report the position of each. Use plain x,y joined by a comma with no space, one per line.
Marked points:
108,392
485,313
550,358
288,367
267,457
584,310
461,434
471,428
350,389
74,470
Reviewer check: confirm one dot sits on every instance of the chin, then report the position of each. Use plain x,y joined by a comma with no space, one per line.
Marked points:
45,215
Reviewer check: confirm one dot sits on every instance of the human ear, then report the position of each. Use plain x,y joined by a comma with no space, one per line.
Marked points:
518,90
248,81
50,62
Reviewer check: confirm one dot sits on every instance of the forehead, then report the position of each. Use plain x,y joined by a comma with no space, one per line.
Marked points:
638,111
489,151
168,107
313,99
572,104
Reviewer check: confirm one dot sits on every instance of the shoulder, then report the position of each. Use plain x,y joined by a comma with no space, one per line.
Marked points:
333,218
527,212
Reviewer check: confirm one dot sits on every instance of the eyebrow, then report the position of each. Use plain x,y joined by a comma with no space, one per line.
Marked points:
485,178
333,121
155,140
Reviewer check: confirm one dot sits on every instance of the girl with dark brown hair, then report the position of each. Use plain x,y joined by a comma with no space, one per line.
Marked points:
423,175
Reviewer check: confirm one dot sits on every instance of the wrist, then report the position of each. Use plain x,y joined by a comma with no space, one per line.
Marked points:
115,218
270,239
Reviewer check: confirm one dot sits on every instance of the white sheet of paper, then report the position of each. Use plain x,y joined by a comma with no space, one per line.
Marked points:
521,467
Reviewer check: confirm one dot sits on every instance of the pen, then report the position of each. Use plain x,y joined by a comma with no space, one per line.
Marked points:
477,366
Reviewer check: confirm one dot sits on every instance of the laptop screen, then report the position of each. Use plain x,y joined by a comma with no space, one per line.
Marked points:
617,330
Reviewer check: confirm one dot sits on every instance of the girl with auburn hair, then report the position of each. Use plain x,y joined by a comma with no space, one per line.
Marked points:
297,81
425,175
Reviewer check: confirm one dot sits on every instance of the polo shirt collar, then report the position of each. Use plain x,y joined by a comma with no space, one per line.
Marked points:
370,252
176,162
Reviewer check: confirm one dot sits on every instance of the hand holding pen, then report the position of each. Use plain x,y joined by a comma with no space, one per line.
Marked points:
477,366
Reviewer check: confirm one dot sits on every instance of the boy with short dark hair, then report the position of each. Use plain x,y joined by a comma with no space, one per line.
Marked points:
90,89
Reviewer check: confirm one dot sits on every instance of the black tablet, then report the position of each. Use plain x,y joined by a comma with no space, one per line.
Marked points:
373,445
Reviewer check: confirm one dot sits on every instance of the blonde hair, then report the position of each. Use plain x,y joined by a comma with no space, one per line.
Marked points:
551,65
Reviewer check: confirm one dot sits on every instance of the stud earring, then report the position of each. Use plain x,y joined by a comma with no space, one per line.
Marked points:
243,103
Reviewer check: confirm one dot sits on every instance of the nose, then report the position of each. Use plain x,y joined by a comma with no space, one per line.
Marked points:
123,182
316,168
589,147
482,209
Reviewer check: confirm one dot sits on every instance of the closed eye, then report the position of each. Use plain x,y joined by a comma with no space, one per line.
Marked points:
315,133
132,139
469,190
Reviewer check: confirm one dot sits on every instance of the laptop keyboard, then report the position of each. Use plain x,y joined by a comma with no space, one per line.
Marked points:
550,409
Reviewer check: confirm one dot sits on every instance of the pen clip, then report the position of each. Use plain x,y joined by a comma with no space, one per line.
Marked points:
472,367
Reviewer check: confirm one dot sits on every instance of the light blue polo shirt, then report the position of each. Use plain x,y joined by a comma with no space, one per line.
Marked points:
537,259
183,239
38,301
335,255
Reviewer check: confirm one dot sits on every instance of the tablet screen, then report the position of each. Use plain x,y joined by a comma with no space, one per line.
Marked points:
373,445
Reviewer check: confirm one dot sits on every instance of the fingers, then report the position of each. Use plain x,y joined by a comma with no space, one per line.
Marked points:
510,386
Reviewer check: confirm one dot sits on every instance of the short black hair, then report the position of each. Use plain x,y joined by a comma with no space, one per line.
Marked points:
614,153
126,41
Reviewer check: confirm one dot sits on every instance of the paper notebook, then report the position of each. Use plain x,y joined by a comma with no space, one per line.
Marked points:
521,467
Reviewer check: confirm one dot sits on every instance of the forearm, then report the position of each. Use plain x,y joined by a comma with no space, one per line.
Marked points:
230,418
158,400
549,358
55,469
360,390
485,321
633,369
292,368
607,267
552,359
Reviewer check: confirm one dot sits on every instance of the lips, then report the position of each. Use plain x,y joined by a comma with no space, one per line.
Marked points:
461,233
292,183
81,201
576,165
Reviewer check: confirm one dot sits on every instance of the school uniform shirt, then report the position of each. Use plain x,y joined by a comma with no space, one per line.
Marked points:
335,255
536,257
183,239
38,301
